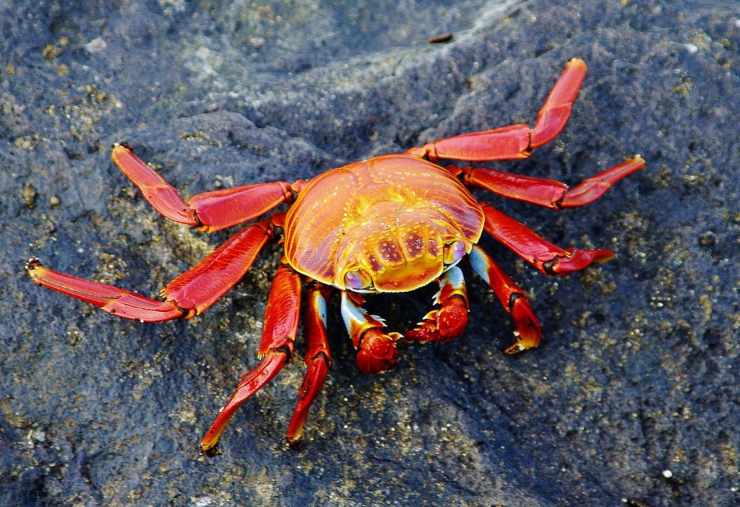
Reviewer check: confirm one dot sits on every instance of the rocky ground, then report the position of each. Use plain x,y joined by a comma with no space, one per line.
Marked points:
631,400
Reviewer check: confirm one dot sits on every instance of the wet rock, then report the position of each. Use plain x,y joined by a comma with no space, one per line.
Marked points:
637,373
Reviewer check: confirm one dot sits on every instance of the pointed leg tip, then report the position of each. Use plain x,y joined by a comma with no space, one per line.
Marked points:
577,260
119,153
122,145
35,269
528,328
295,438
576,62
32,263
514,349
209,443
638,160
206,447
212,450
522,344
118,149
602,255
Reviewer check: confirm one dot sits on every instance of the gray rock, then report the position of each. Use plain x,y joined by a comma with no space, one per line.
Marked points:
632,398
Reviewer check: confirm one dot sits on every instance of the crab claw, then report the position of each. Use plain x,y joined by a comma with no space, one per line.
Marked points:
448,321
443,324
377,351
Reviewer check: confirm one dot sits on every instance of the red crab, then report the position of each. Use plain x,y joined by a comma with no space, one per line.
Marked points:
392,223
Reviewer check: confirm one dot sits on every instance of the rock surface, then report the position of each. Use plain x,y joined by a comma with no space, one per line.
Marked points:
631,400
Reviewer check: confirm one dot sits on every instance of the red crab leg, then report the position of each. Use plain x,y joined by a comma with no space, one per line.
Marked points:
546,192
282,315
186,296
515,141
211,211
450,319
528,329
318,359
540,253
376,351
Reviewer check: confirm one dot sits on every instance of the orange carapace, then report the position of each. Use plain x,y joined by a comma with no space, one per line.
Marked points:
381,225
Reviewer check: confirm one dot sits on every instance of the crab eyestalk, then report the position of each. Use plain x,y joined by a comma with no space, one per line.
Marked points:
454,252
358,279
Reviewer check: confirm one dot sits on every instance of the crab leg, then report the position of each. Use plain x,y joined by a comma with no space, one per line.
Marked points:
376,350
188,295
546,192
211,211
282,315
450,319
317,359
515,141
540,253
528,329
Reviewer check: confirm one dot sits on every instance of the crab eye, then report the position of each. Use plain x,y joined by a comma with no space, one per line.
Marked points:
454,252
357,279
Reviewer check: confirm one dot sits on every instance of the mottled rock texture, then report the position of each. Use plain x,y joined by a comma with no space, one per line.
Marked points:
631,400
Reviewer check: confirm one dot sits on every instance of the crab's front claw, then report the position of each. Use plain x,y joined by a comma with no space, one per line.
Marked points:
449,319
377,351
443,324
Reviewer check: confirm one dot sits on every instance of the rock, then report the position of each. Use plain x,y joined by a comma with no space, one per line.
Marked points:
630,400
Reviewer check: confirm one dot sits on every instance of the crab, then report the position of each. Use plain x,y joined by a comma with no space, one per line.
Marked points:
388,224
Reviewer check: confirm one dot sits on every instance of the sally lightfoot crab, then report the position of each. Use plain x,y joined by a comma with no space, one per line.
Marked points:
391,223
